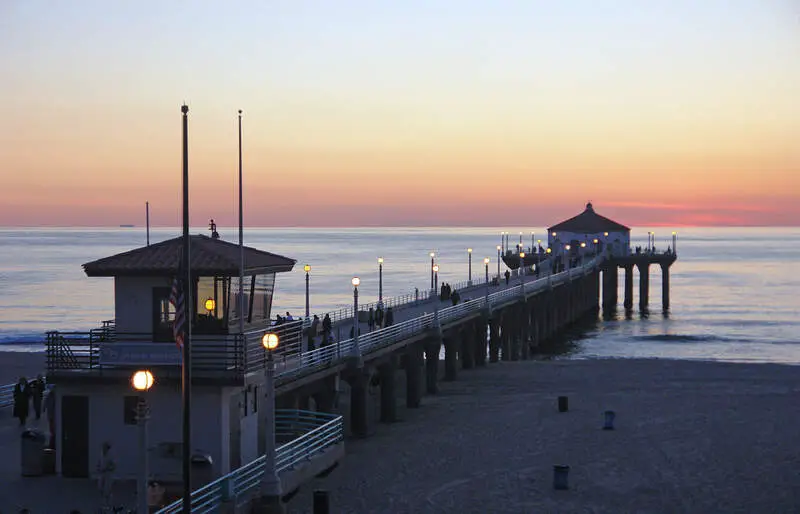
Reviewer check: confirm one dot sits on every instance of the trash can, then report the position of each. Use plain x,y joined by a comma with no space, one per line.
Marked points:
202,469
48,461
33,445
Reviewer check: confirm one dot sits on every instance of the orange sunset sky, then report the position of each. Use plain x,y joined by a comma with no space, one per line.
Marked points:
371,112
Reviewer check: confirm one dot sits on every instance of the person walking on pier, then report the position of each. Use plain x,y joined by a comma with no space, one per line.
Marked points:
371,319
37,395
22,397
389,317
508,276
379,317
326,330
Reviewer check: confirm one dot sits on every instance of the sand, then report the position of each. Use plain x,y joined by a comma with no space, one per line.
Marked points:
690,437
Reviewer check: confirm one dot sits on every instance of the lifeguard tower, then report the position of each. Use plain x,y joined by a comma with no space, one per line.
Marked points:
91,370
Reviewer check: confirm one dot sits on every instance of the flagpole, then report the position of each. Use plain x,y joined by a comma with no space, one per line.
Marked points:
241,235
187,340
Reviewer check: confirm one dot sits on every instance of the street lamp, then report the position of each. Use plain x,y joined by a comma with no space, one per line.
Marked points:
380,282
270,483
649,234
435,269
356,282
675,243
307,268
432,263
469,273
486,264
498,263
142,381
522,271
596,247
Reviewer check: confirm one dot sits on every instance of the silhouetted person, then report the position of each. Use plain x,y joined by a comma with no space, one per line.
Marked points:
371,319
379,317
389,317
22,397
455,297
508,276
50,412
326,329
37,395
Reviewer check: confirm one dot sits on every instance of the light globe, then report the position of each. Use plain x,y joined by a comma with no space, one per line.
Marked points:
269,341
142,380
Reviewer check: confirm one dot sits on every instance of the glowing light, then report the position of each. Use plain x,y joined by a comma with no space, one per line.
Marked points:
269,341
142,380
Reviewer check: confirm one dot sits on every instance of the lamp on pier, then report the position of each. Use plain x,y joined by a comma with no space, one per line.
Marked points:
270,483
435,277
674,242
469,272
521,263
142,381
307,268
433,255
486,265
380,282
356,350
210,304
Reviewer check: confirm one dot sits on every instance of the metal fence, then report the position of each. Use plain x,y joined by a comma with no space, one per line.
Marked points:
6,395
318,432
314,360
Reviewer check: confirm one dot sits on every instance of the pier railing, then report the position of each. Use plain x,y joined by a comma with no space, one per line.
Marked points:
313,433
314,360
6,395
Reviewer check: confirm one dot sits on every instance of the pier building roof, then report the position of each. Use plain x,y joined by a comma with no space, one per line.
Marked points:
209,256
589,222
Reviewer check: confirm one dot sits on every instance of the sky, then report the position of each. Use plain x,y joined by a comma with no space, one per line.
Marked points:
421,112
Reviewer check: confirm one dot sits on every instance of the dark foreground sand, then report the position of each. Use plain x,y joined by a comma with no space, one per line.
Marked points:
690,437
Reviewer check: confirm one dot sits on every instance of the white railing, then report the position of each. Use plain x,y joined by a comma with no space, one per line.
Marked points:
7,395
311,361
237,486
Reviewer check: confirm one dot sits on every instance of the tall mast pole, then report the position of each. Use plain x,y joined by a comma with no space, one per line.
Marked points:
187,340
147,220
241,236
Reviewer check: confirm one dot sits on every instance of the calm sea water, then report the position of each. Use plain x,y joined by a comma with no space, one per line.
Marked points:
734,291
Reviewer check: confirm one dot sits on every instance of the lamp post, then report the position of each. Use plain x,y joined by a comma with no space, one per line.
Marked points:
649,235
433,255
532,243
675,243
486,265
498,264
142,381
569,261
380,282
469,272
307,268
270,483
356,350
522,271
596,248
435,269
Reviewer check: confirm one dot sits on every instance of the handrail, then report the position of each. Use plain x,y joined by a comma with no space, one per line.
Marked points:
6,395
328,430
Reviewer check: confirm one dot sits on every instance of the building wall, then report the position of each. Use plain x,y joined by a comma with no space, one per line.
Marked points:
133,301
619,242
107,423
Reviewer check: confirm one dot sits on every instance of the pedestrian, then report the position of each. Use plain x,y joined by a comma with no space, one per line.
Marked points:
389,317
50,411
508,275
105,473
371,319
22,396
379,317
326,329
37,395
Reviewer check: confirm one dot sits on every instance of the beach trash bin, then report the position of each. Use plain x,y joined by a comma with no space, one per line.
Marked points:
33,444
202,469
48,461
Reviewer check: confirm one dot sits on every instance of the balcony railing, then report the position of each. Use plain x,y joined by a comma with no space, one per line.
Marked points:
6,395
106,349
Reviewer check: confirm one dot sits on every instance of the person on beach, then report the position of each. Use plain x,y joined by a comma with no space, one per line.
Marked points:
22,396
105,473
37,395
50,411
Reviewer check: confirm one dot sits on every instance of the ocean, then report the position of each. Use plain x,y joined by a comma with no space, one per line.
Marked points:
734,291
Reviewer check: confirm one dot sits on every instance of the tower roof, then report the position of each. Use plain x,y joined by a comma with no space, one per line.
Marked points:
588,222
208,256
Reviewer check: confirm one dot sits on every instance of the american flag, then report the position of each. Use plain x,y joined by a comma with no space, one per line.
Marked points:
176,300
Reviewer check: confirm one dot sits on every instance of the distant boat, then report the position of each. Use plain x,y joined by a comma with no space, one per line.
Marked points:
127,226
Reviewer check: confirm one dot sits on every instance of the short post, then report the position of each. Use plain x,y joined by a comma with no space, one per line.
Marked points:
380,282
469,272
608,422
322,504
563,404
560,477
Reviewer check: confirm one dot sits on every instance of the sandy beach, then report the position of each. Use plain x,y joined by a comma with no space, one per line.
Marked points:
690,437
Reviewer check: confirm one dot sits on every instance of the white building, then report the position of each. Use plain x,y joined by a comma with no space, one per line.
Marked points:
589,232
91,371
